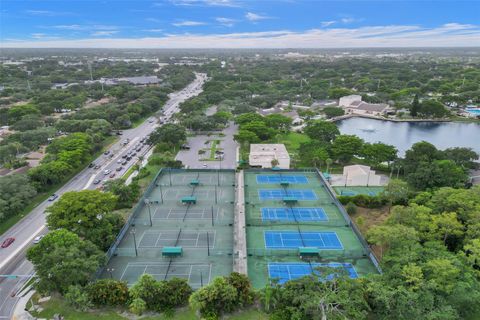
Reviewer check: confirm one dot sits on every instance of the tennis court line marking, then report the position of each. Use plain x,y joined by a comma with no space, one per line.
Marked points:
159,235
163,264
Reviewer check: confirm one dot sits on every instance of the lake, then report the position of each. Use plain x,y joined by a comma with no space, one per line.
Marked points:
403,134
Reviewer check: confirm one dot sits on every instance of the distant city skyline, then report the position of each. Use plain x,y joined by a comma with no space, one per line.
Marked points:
238,24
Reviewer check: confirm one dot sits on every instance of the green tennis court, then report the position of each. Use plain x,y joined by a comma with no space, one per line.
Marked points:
353,191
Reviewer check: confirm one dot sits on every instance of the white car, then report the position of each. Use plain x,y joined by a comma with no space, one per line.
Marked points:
119,161
37,239
107,171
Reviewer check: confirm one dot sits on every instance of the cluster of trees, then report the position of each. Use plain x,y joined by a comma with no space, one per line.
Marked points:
327,144
430,255
427,167
64,156
428,109
168,136
16,193
254,127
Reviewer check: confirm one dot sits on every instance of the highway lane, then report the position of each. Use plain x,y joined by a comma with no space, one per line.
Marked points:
34,223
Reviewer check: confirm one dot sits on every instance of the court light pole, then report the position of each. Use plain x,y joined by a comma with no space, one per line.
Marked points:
110,270
147,203
134,241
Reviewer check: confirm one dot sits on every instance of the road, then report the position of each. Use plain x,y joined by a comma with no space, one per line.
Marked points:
12,259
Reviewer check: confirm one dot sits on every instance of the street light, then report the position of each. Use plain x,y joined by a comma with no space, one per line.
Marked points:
147,202
110,270
134,241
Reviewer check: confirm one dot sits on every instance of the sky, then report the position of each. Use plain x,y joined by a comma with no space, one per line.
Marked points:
238,23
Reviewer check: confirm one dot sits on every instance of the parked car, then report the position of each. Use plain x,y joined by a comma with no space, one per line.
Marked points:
7,242
96,181
38,239
53,197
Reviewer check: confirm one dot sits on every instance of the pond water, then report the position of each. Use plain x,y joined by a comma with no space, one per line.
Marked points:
403,134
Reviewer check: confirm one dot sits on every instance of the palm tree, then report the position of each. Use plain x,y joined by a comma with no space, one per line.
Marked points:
328,161
274,163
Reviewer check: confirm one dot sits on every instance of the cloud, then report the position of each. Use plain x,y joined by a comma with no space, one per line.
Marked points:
208,3
188,23
43,36
153,20
327,23
255,17
227,22
103,33
447,35
46,13
69,27
152,30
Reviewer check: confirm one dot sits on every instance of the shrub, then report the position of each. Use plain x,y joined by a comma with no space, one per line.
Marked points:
137,306
351,208
364,201
78,298
108,292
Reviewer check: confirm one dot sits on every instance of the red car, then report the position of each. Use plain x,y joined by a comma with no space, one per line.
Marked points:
7,242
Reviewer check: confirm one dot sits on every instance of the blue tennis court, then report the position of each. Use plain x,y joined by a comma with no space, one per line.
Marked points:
263,178
278,194
294,214
295,239
290,271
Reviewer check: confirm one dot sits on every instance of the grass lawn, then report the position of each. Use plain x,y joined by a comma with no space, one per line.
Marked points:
40,197
58,306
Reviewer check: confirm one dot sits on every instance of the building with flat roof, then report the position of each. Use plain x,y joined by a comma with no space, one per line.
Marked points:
262,155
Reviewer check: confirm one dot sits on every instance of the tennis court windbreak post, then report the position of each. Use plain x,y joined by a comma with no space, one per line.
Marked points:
284,183
194,182
172,251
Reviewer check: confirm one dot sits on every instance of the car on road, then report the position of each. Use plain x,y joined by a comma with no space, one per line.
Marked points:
96,167
124,163
150,121
112,175
124,156
91,165
7,242
120,160
119,169
107,171
53,197
38,239
205,165
97,181
107,152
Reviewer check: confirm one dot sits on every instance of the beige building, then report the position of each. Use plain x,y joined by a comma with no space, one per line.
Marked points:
354,104
359,175
261,155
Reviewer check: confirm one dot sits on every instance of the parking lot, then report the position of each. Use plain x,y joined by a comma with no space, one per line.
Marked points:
198,156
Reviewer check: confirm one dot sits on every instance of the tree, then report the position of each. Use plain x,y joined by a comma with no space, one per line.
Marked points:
345,147
77,298
388,237
246,136
313,153
332,112
15,113
463,157
446,225
260,129
87,213
396,192
433,108
62,259
248,117
420,152
278,122
127,195
377,153
169,133
415,107
322,131
439,173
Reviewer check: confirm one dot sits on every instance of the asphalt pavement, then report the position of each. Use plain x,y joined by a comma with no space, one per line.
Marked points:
12,258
